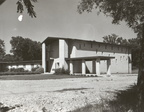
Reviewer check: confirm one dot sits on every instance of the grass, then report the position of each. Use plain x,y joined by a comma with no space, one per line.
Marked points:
125,101
38,77
71,89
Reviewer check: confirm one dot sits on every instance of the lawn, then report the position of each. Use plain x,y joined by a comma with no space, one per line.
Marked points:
38,77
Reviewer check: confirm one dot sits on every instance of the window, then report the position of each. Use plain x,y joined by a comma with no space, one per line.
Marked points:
99,45
111,47
105,46
91,45
79,46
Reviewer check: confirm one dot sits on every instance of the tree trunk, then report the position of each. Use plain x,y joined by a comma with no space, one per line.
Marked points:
140,81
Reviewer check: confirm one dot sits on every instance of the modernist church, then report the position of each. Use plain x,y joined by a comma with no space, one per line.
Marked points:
82,57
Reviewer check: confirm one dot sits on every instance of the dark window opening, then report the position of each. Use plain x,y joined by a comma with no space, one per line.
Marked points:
80,46
91,45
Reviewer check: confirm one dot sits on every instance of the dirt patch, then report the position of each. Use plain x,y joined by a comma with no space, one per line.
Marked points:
72,93
71,89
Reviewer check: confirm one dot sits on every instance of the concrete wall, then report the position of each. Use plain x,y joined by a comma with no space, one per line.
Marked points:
60,49
56,52
118,65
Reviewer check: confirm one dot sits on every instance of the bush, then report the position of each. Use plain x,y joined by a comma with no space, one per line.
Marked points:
17,73
60,71
3,68
34,69
39,70
17,70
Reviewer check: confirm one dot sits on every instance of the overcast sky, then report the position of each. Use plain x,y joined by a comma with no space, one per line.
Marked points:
58,18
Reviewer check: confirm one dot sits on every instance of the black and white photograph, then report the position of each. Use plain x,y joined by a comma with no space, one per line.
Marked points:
71,55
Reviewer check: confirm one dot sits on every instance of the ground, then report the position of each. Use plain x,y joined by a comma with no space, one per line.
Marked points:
59,94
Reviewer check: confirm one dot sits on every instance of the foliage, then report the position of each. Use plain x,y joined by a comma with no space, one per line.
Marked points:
2,49
39,70
25,48
17,73
131,11
34,69
114,39
17,70
11,58
3,68
20,6
60,71
133,43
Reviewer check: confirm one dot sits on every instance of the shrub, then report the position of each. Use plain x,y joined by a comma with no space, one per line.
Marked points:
39,70
17,70
17,73
61,71
34,68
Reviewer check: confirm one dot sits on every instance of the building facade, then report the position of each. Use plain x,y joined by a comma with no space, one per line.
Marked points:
26,65
85,56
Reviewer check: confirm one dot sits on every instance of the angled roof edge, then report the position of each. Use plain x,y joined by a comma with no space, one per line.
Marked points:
55,38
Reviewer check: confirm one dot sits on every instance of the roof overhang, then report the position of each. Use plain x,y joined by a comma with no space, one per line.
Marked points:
90,58
49,40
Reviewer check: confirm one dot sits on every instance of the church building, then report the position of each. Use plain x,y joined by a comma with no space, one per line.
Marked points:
84,57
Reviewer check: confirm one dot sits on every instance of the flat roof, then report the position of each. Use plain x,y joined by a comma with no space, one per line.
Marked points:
90,58
49,40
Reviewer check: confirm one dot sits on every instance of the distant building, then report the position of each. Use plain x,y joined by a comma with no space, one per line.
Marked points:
26,65
85,56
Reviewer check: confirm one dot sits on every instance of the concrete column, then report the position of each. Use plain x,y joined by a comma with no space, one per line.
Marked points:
71,68
83,67
93,67
109,67
98,66
129,64
44,56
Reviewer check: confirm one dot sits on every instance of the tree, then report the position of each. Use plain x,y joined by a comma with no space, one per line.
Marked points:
20,6
133,43
2,49
130,11
114,39
10,58
25,48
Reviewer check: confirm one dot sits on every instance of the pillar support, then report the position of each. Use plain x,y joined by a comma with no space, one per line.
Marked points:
98,66
71,68
94,66
83,67
109,67
44,56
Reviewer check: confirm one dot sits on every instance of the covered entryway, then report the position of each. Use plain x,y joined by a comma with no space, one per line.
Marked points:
81,66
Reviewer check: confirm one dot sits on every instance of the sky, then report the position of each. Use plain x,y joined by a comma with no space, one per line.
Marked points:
57,18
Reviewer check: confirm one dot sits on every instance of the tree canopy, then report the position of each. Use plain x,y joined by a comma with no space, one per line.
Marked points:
2,49
133,43
20,6
25,48
114,39
131,11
